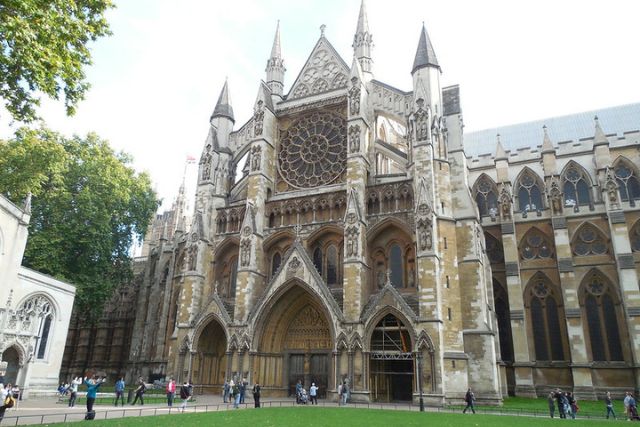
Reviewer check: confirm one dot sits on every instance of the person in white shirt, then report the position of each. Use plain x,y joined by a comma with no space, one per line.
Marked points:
74,391
313,393
4,392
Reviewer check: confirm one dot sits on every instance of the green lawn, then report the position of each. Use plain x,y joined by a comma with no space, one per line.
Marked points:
310,417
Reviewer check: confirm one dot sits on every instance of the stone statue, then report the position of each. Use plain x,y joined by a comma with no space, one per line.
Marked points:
556,196
505,202
245,252
256,157
354,138
354,97
612,188
192,258
352,242
258,118
425,233
206,168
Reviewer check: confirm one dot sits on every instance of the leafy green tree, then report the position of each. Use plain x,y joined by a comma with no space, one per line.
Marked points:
88,208
44,48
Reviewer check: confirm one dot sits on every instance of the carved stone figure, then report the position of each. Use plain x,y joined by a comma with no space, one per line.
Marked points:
258,118
421,119
256,158
354,139
425,234
295,263
505,202
206,168
556,196
352,241
354,97
192,257
245,252
612,188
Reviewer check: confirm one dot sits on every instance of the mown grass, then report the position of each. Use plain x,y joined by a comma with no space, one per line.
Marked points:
317,416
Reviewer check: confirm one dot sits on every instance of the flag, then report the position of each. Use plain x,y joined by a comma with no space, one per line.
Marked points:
191,159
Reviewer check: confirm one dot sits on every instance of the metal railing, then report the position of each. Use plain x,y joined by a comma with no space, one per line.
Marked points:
48,418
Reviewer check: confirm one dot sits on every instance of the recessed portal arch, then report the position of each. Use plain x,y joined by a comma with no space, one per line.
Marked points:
210,359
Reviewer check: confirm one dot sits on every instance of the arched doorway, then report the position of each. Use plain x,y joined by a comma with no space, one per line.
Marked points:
210,360
391,364
12,358
296,344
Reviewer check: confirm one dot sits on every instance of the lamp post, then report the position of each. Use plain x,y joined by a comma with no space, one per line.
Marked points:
420,381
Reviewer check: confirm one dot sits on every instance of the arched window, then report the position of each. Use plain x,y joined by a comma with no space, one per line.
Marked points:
602,320
544,304
529,192
486,195
576,186
501,302
494,249
317,260
589,241
275,263
634,237
396,266
628,182
535,245
44,333
332,265
38,309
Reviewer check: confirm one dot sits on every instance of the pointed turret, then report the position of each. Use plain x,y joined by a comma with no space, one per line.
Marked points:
599,136
223,106
363,41
547,145
425,55
275,66
501,154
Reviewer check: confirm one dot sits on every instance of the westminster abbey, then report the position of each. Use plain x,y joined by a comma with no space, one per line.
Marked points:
351,231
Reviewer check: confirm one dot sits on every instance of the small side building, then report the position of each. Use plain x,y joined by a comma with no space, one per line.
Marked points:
35,310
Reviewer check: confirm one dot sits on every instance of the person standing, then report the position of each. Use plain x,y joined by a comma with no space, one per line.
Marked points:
560,401
142,387
345,392
120,391
627,399
225,391
573,405
340,394
185,395
93,385
256,394
609,402
298,391
73,388
551,400
171,392
5,391
243,389
313,393
236,396
469,398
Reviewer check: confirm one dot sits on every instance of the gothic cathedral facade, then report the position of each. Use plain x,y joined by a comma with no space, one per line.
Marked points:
345,233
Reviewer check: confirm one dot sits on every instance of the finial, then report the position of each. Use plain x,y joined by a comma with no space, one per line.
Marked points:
322,28
297,228
388,277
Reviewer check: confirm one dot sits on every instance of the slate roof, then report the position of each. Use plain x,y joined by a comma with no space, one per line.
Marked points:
614,120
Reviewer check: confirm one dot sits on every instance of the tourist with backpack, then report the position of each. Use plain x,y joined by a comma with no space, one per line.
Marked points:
140,390
185,395
120,391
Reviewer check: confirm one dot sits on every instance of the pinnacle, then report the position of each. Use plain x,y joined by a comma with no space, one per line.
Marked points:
500,152
276,49
547,145
599,135
223,106
425,55
363,22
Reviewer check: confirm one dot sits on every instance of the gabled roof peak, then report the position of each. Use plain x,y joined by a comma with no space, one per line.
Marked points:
223,106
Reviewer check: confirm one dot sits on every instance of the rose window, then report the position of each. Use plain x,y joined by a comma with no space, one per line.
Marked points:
313,151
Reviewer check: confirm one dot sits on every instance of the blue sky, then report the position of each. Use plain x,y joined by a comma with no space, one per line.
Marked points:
156,80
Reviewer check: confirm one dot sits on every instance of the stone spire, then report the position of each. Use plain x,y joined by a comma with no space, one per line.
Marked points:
547,145
599,136
363,41
425,55
501,154
223,106
275,66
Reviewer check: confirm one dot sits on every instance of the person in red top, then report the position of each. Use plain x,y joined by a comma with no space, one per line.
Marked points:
171,391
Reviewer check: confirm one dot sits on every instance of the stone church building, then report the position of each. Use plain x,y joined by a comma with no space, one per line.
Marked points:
351,231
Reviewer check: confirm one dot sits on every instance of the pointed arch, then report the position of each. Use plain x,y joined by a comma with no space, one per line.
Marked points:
391,248
528,191
424,342
325,247
576,185
628,178
544,304
356,342
503,318
20,350
536,244
601,307
485,193
375,319
341,342
203,323
233,343
589,239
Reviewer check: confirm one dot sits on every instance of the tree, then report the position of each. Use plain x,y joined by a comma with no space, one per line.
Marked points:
88,207
43,49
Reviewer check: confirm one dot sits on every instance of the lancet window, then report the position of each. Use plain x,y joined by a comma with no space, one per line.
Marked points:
576,186
628,182
529,192
486,195
544,304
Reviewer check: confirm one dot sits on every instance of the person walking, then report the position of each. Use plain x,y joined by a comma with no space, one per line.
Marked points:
340,394
171,392
609,402
120,390
225,391
298,391
243,389
93,385
142,387
551,400
256,394
573,405
560,400
627,399
469,398
5,392
185,395
73,389
236,396
313,393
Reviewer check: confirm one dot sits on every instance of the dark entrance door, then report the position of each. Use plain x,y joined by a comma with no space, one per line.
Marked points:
392,380
319,373
296,371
